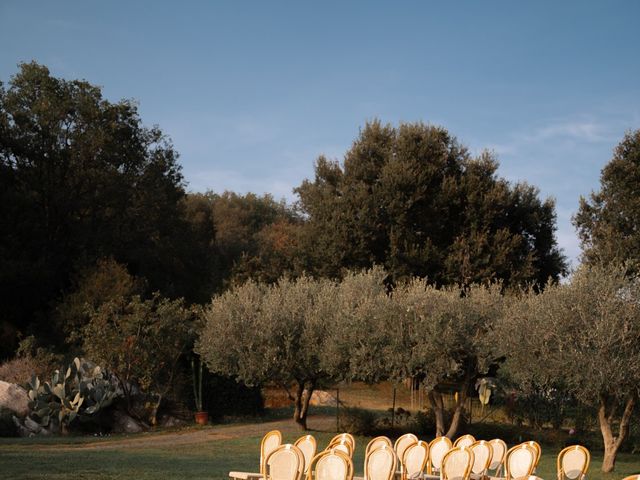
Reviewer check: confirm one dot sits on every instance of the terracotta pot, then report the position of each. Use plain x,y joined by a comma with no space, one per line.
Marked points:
202,418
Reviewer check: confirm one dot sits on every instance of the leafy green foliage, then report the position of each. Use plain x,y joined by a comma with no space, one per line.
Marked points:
608,222
106,281
307,331
583,333
79,393
259,333
141,342
412,199
255,236
82,179
583,337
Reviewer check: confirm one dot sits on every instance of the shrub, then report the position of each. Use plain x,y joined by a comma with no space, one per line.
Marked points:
424,423
17,370
358,421
539,406
142,343
30,360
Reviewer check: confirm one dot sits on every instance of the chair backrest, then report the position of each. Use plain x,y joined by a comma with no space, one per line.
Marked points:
307,445
330,465
403,442
438,448
375,443
285,463
270,442
464,441
415,460
499,448
536,446
344,446
456,464
342,437
573,463
380,464
520,461
482,454
378,442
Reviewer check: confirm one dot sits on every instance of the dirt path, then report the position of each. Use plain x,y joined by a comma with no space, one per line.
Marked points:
192,435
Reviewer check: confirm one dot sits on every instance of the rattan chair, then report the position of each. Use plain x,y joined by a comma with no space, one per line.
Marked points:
536,446
307,445
464,441
380,464
269,443
438,448
456,464
285,463
499,452
414,460
402,443
374,444
573,463
330,465
482,453
520,461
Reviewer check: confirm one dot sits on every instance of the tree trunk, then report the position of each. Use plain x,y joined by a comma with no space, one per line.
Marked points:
613,442
154,411
437,403
459,410
303,393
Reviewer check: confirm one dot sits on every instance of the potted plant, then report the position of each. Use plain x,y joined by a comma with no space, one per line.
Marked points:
201,416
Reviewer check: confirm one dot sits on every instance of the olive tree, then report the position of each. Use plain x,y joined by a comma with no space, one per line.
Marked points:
416,330
583,335
271,333
446,339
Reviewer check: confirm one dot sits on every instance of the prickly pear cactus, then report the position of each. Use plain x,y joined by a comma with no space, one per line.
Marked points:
82,391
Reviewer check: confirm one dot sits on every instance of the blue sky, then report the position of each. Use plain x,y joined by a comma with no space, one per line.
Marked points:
252,92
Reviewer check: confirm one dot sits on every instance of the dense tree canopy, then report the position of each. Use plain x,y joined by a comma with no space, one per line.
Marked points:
82,179
412,199
255,237
608,222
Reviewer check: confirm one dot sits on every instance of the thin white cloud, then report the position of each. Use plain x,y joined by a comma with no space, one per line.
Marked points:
578,130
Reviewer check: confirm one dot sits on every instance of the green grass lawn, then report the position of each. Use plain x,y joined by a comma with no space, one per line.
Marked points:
217,450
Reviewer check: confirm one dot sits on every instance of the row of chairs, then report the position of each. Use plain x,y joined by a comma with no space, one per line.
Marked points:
409,459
